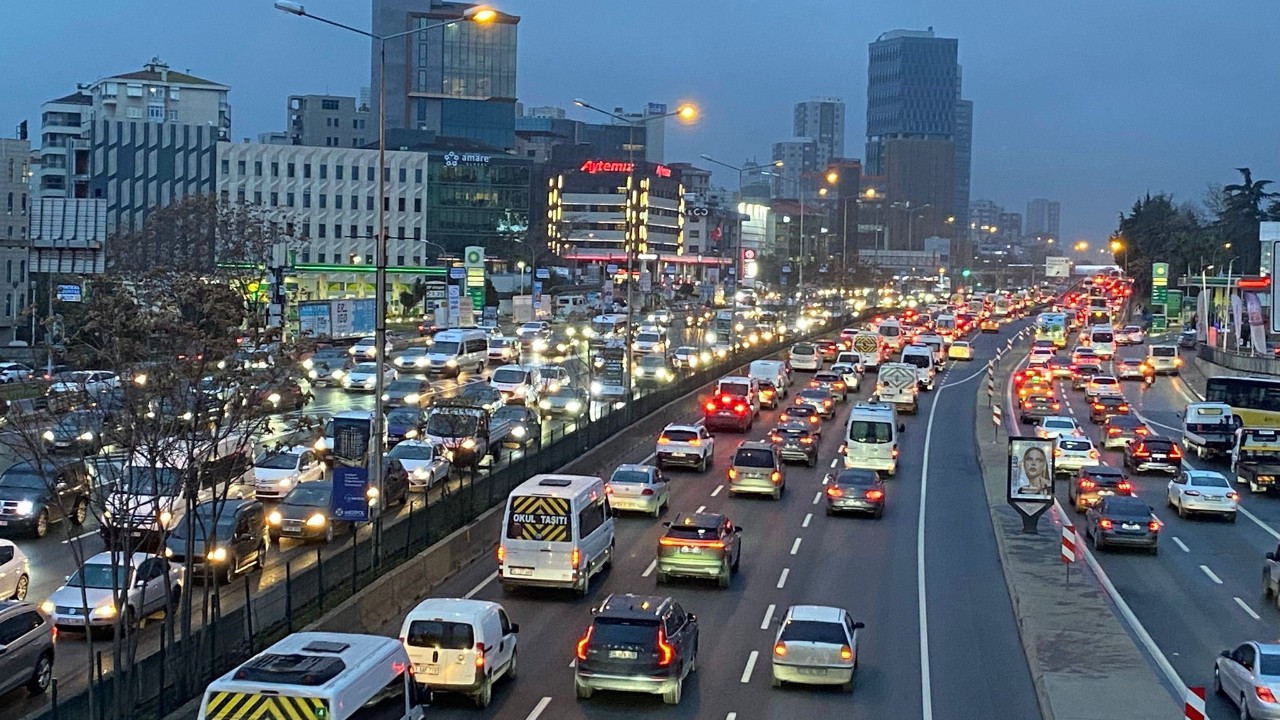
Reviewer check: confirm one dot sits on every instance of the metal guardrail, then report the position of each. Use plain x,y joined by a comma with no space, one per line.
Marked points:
232,635
1239,362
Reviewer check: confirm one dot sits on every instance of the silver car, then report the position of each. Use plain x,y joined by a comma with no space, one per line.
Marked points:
15,572
27,638
1249,676
640,488
816,645
147,582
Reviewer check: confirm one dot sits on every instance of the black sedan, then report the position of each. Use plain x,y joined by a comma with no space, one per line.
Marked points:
1035,407
1106,407
1122,520
83,431
855,490
796,444
33,495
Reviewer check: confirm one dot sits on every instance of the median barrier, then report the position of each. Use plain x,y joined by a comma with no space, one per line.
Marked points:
1230,363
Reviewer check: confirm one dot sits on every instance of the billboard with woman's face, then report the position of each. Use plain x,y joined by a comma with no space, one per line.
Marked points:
1030,470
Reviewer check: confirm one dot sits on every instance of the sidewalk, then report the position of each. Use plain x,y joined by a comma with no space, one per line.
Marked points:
1085,663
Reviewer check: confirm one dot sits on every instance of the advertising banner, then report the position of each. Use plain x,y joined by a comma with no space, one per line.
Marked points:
455,305
1030,469
1257,330
351,441
1159,283
350,494
313,319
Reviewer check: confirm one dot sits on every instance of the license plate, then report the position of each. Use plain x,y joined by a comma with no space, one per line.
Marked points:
691,550
1130,526
523,571
623,655
1157,457
816,672
427,669
3,523
1211,497
679,454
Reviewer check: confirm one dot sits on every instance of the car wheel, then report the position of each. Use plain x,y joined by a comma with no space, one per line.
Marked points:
229,573
725,577
879,513
672,696
774,681
1098,542
328,533
510,674
1217,682
1244,709
1231,517
582,692
1155,550
43,674
847,686
660,578
41,527
1182,511
485,695
20,590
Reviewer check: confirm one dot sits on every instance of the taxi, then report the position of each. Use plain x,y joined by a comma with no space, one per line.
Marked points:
989,325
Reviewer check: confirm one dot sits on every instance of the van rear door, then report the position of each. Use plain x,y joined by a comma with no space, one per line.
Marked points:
443,651
539,540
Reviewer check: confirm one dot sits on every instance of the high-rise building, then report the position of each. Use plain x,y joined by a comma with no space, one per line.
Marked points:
913,93
822,119
64,155
544,129
329,121
1010,227
795,177
921,171
15,214
457,80
1043,218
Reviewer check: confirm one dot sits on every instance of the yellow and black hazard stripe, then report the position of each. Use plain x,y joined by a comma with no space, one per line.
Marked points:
251,706
542,518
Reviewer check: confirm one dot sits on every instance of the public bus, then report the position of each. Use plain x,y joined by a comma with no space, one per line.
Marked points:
1254,400
1052,326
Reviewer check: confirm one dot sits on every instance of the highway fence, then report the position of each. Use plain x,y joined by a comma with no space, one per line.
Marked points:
1239,362
228,634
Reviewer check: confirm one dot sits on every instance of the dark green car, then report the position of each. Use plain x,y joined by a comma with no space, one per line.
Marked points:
700,545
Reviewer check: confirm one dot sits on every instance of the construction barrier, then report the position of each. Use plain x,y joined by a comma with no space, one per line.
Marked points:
996,418
1068,543
1194,708
991,387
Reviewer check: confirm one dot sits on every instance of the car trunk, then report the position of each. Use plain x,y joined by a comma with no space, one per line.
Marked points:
442,652
691,551
623,647
810,653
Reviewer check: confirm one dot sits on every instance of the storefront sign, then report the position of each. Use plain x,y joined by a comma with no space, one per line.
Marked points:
453,159
615,166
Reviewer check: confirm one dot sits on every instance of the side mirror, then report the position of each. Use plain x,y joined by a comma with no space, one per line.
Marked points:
1225,654
666,524
692,618
737,529
1271,556
515,628
859,625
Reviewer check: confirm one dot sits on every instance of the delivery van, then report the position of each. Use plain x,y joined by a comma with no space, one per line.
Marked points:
557,532
871,439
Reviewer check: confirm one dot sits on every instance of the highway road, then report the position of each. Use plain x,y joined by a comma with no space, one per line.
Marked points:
964,659
1202,594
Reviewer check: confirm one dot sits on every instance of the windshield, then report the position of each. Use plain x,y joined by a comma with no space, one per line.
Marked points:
315,494
514,413
441,634
1157,351
141,480
444,347
77,423
497,343
97,576
1076,445
411,452
330,354
737,389
203,524
277,461
510,376
652,361
648,337
483,393
23,479
409,386
890,330
1102,337
404,416
565,392
451,425
829,633
870,431
803,349
920,361
1209,480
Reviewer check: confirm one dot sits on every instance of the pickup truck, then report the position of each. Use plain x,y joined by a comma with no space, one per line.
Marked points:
468,433
1255,458
1209,429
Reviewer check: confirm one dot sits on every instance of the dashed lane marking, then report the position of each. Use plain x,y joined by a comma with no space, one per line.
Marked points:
795,546
717,490
1212,577
807,518
817,497
751,665
1245,607
700,508
649,570
833,463
480,586
768,616
782,579
537,709
1181,545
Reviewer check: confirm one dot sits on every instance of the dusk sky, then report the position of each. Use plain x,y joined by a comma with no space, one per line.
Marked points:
1089,102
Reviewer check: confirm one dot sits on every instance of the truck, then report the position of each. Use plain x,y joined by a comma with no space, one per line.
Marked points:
1209,429
897,383
468,433
1255,458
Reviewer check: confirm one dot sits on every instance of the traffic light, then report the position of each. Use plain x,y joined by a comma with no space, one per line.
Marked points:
966,272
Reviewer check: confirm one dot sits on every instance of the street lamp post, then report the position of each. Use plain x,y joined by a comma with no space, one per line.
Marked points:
739,269
687,112
479,14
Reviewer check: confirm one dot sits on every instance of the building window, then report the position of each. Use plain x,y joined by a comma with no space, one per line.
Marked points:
417,235
133,113
306,171
386,175
337,231
368,202
400,233
355,202
417,205
306,200
417,175
288,199
323,198
133,90
404,174
400,204
257,168
355,231
275,169
225,196
173,116
328,104
257,197
110,89
337,171
400,260
275,199
323,258
369,174
240,195
368,231
226,166
417,259
241,167
289,170
321,228
306,256
368,259
324,172
337,201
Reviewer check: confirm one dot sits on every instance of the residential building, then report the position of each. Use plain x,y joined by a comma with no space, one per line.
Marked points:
161,96
329,120
544,133
457,80
1043,218
15,211
797,174
64,155
1010,227
697,181
920,186
276,137
822,119
843,198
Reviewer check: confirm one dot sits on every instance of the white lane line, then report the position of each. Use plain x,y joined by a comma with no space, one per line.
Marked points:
961,382
751,665
807,518
795,546
731,716
1212,577
1245,607
80,537
826,479
816,498
480,586
1183,546
1258,521
926,683
717,490
768,616
537,709
649,570
700,508
833,463
573,663
782,579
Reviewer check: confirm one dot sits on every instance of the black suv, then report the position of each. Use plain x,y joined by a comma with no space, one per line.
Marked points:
1153,453
34,495
1096,482
1106,407
227,537
796,444
637,643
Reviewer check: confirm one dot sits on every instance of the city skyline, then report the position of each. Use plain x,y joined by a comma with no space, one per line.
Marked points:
1050,121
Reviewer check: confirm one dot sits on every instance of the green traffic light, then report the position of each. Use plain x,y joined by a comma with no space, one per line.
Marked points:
965,273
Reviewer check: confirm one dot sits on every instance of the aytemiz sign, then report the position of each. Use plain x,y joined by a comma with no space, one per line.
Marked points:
616,166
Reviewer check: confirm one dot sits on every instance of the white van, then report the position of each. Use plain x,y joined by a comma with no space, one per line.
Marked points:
890,332
336,676
743,387
557,532
898,383
871,439
1103,341
921,356
870,348
453,351
805,356
519,384
460,646
775,371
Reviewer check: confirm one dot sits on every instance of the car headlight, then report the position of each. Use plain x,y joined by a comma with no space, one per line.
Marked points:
168,552
106,611
385,397
352,350
48,607
308,364
421,362
321,445
469,444
285,482
318,520
573,406
165,518
312,374
86,435
545,404
452,363
411,433
274,398
518,431
25,507
275,517
48,435
186,416
337,374
596,387
218,554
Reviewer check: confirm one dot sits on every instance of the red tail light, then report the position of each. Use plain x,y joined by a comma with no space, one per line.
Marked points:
1113,431
1056,406
874,494
647,491
1153,526
582,643
666,653
775,437
695,441
479,655
834,491
813,419
710,406
575,558
1141,431
806,441
846,652
776,477
1087,484
1141,451
780,649
1233,495
733,473
502,554
1097,406
1057,452
1124,486
1193,493
663,439
1122,409
1174,452
1105,524
1093,454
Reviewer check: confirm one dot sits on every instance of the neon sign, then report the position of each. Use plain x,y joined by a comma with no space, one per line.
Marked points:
615,166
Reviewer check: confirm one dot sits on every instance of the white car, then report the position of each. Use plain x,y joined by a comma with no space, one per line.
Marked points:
426,461
849,373
413,358
92,382
1132,335
535,329
806,356
638,488
364,347
960,350
1072,452
1203,491
1100,385
15,372
816,645
1039,357
276,472
1056,426
686,357
648,343
687,445
365,376
147,582
15,572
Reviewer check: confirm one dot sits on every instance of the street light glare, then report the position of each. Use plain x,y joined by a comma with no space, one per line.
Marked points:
687,112
293,8
833,177
580,102
871,192
480,14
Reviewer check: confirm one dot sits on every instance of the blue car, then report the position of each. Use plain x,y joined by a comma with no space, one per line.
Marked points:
405,423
